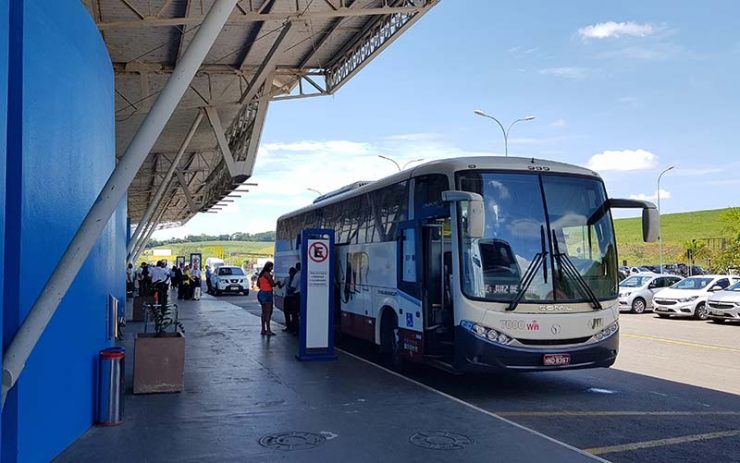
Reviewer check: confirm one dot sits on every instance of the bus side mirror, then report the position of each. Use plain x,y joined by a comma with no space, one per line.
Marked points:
650,217
474,212
650,224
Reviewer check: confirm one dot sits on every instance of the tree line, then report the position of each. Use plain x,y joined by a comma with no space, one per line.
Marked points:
268,236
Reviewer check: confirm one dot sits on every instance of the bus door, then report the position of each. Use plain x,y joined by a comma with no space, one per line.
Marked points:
435,288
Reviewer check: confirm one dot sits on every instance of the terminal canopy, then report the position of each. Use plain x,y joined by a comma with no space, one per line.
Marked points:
269,50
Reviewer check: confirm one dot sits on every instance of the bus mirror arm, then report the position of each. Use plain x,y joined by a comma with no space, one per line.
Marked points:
650,217
476,216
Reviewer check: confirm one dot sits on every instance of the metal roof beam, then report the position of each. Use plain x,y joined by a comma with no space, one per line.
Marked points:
252,16
254,140
372,42
267,66
235,167
184,185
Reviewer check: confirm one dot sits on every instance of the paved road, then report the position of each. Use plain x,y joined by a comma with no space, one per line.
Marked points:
671,397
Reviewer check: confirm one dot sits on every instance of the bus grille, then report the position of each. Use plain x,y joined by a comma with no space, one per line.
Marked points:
553,342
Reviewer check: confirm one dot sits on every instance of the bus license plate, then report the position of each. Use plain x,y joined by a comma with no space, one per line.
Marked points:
556,359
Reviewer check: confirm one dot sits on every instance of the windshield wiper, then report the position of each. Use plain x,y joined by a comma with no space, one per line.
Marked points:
528,277
566,266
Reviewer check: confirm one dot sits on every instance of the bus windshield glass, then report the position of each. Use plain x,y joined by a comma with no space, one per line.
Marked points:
538,237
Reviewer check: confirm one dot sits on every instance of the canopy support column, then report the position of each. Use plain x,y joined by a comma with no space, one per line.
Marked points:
110,197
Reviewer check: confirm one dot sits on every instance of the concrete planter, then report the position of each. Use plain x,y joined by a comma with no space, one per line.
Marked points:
159,363
139,312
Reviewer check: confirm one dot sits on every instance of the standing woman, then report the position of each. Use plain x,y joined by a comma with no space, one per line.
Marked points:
266,283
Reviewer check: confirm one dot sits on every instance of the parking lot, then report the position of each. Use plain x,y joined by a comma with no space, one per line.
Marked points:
673,395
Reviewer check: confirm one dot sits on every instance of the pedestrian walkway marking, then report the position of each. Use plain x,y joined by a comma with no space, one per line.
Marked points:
476,408
663,442
619,413
680,343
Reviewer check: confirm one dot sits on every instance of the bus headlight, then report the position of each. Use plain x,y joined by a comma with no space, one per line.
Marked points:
606,332
489,334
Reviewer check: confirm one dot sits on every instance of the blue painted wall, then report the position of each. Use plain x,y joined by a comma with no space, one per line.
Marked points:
68,152
4,34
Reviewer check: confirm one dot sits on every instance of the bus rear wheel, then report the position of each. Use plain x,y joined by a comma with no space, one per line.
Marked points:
390,348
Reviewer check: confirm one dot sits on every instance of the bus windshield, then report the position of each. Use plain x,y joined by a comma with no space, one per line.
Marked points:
537,228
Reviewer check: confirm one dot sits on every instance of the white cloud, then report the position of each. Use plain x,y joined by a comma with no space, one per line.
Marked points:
559,124
624,160
611,29
567,72
654,197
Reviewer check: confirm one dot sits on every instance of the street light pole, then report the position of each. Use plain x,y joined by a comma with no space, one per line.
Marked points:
660,233
398,166
478,112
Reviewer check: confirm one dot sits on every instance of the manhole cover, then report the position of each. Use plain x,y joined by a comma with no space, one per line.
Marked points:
292,440
440,440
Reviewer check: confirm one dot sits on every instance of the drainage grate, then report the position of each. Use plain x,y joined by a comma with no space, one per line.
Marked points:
438,440
292,441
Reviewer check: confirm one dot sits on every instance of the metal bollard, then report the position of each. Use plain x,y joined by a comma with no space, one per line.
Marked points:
110,386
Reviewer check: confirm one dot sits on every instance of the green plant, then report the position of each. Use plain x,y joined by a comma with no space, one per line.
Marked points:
164,318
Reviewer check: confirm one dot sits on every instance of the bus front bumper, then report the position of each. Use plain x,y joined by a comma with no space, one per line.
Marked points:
477,355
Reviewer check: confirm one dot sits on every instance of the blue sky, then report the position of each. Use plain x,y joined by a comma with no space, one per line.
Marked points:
627,88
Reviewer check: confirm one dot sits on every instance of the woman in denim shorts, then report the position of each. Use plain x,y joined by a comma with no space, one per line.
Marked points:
266,283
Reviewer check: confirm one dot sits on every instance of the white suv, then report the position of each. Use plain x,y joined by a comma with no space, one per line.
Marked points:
688,297
725,305
636,291
229,279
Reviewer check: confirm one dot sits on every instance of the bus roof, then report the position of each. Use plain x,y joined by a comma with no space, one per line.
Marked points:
448,167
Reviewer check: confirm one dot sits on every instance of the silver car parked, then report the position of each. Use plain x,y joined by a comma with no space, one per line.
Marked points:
636,291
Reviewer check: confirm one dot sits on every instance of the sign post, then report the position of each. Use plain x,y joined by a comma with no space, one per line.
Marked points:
317,295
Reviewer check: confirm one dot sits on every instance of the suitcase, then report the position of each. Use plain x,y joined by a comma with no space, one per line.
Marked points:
196,294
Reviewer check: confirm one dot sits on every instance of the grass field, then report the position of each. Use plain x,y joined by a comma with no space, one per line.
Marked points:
676,228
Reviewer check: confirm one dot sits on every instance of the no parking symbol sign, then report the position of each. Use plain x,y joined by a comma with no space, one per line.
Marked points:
317,303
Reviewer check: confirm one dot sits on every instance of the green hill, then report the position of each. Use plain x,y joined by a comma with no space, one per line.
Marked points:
234,252
676,230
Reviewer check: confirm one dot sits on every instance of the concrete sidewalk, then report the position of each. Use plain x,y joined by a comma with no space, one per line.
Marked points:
247,399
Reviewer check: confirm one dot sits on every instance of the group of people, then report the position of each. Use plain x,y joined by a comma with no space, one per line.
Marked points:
292,299
156,280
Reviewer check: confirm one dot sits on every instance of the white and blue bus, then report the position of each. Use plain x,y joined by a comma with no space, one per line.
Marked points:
475,264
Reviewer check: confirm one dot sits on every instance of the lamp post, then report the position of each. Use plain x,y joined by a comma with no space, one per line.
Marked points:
478,112
398,166
660,233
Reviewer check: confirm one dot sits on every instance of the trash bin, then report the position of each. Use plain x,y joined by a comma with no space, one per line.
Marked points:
110,386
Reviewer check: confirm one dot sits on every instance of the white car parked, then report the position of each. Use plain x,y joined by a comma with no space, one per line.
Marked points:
688,297
636,291
229,279
725,305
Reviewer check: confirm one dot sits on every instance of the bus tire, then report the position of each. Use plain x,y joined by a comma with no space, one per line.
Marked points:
390,349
